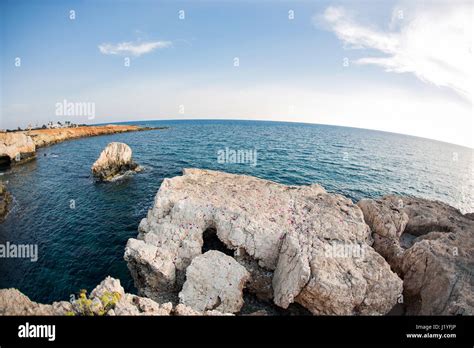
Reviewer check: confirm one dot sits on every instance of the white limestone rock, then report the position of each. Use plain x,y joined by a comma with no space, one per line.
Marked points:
288,232
214,281
13,302
108,286
136,305
16,147
183,310
431,246
128,304
114,161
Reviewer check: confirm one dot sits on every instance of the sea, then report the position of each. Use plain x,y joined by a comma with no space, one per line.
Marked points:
81,227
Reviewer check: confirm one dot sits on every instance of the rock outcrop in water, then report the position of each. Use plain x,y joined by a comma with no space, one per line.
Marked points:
115,160
431,246
15,148
5,200
299,244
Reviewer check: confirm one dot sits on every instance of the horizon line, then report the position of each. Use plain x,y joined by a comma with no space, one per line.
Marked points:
297,122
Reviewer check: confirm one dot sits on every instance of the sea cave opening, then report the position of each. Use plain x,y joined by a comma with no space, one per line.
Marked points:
5,161
212,242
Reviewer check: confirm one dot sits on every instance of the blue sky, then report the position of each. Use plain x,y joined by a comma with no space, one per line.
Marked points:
397,79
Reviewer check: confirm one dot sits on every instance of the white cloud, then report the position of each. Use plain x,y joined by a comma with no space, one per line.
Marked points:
132,49
434,42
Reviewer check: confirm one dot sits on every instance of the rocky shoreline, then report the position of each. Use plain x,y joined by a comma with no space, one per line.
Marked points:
18,147
47,137
217,244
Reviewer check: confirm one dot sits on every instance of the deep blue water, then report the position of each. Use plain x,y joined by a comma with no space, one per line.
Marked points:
79,247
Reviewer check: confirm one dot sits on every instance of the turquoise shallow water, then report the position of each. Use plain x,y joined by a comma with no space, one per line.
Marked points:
79,247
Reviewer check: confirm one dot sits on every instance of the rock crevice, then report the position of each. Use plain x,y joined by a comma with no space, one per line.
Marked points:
431,246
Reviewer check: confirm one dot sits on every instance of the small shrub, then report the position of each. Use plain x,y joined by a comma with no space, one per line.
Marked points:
85,306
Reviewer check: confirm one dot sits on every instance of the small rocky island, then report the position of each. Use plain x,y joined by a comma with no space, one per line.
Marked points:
222,244
114,161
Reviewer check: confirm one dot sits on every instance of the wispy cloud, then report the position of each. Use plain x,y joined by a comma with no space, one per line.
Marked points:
433,42
132,49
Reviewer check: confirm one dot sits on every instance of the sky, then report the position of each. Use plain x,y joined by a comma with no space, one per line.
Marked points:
397,66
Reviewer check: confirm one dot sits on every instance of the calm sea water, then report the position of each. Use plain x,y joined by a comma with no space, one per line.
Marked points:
79,247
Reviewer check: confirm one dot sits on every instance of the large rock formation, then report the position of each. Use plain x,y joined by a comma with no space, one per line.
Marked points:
214,281
284,245
300,244
15,147
431,246
114,160
5,200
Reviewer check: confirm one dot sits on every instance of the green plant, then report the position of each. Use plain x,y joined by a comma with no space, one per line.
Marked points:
86,306
109,300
